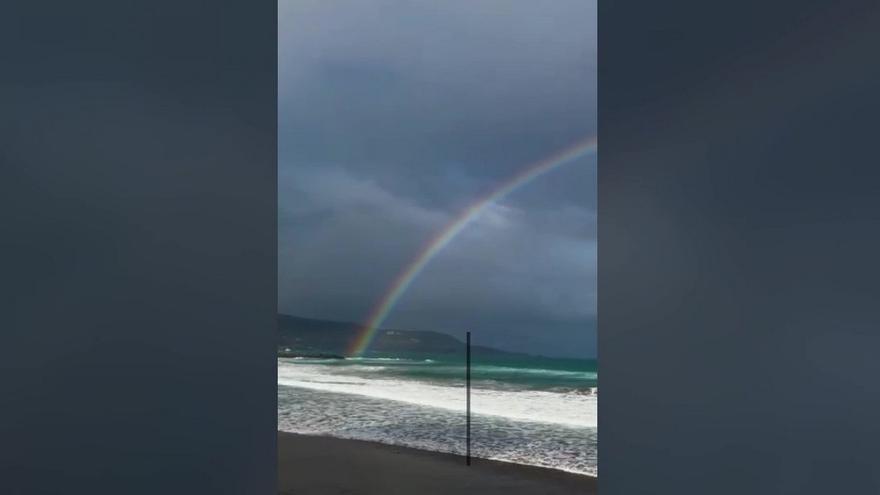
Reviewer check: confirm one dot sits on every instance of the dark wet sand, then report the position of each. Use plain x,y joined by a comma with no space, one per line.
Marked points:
323,465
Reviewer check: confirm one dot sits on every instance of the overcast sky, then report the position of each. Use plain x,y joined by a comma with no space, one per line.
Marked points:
395,115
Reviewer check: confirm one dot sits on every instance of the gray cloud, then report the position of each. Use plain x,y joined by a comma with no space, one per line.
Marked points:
395,115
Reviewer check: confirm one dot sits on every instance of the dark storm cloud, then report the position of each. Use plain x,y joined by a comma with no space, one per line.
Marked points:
393,116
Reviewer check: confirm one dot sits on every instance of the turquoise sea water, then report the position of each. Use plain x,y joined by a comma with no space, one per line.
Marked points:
529,410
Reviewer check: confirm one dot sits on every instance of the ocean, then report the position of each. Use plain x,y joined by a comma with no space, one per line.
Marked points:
536,411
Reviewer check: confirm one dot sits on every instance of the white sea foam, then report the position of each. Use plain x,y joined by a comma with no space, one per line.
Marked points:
571,409
318,412
376,359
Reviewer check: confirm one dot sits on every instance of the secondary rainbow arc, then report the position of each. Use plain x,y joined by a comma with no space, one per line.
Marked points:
430,249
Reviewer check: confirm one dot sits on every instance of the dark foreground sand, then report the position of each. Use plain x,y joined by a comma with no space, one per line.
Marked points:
322,465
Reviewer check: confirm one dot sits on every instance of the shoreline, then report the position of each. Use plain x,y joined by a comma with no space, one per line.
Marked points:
324,464
417,449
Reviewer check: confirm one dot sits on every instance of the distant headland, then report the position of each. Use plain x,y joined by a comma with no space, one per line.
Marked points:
325,339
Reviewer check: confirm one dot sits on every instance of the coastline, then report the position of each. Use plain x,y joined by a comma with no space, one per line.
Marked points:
329,465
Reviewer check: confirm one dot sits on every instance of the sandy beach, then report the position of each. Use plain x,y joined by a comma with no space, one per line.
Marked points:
324,465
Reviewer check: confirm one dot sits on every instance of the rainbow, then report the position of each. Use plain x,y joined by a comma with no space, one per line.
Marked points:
405,278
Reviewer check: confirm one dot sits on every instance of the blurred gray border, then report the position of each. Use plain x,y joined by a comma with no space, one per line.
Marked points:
137,341
739,226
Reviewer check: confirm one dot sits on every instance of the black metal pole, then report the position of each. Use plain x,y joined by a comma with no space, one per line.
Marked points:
468,381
